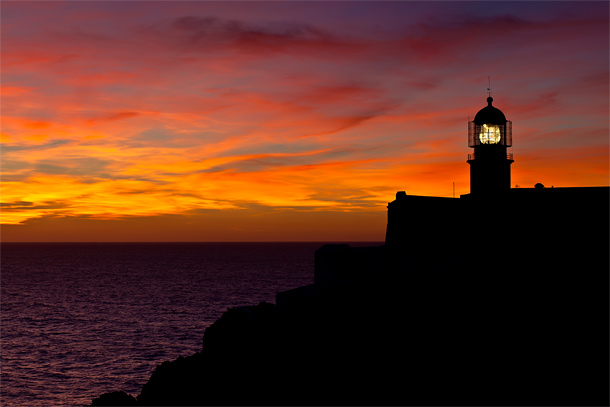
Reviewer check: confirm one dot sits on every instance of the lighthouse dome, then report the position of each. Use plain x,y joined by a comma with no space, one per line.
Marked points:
489,115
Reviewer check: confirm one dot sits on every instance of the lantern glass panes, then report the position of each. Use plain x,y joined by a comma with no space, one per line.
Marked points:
490,134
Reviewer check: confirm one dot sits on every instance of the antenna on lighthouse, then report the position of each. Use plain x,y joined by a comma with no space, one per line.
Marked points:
489,86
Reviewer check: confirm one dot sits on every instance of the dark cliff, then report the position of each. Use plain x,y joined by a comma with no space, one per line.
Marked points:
510,308
384,345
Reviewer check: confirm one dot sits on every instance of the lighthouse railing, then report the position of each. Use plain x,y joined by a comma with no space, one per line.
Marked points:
509,156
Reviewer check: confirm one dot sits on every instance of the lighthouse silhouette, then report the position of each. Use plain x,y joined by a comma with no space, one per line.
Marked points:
490,135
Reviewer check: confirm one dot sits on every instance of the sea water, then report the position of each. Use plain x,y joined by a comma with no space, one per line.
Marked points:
83,319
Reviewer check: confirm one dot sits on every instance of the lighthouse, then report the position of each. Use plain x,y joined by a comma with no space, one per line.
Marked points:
490,135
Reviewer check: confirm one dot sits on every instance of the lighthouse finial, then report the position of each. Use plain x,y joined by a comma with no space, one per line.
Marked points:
489,86
489,98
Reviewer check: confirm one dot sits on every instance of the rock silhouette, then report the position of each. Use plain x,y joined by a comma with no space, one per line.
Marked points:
385,344
117,398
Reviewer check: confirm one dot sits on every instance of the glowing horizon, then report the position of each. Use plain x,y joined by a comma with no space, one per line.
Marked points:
236,121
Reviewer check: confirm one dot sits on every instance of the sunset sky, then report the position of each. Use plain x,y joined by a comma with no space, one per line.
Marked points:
271,121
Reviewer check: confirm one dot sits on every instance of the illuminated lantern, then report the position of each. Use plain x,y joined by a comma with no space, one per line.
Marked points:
490,135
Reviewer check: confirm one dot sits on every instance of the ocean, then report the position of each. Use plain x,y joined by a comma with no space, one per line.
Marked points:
83,319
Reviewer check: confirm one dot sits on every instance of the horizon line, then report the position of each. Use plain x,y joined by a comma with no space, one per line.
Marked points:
197,241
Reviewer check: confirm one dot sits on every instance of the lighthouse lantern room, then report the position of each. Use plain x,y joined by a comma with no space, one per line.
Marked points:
490,135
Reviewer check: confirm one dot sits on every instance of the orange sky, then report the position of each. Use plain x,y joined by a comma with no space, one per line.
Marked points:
297,121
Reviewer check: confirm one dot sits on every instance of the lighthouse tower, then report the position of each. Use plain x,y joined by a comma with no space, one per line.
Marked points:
490,135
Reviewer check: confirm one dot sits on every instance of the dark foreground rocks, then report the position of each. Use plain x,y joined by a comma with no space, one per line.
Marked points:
115,398
446,341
